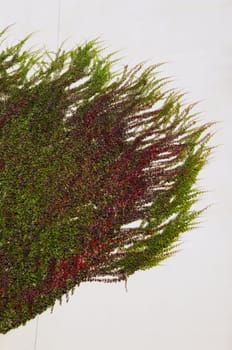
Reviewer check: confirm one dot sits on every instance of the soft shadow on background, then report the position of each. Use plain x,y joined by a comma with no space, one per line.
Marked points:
184,303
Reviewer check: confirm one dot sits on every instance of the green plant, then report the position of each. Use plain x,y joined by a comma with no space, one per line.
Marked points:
83,152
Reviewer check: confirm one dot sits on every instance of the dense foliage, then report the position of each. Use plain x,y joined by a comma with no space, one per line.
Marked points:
84,151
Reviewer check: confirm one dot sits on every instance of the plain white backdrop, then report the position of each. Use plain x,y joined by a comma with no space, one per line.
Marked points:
184,303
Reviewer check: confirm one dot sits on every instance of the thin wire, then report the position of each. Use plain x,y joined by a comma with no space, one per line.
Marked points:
58,23
126,285
36,332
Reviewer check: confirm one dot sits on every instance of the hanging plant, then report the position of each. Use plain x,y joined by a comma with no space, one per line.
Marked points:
85,151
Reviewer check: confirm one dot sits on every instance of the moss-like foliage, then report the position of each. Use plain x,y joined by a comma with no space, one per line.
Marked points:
84,151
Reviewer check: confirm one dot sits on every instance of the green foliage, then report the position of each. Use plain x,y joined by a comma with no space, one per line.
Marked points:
85,151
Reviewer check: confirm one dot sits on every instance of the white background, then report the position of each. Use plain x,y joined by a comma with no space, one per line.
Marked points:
185,303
